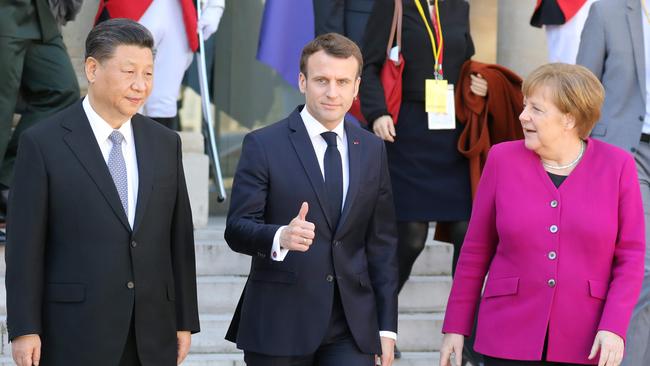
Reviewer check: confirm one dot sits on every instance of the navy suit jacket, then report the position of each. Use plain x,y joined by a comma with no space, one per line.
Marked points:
285,307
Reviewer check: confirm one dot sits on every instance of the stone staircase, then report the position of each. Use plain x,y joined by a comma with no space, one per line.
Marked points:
221,278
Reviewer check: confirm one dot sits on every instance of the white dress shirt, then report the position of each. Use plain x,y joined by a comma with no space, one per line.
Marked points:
314,130
102,130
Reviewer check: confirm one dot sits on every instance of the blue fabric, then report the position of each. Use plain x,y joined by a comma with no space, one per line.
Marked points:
287,26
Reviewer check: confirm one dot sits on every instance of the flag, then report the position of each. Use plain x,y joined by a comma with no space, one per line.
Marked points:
287,26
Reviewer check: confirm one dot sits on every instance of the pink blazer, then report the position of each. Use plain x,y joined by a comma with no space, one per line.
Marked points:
567,260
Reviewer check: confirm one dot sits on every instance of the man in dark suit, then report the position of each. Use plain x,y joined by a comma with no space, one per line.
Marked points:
312,205
100,251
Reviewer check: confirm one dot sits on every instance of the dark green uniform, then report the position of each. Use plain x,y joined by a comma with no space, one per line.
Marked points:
35,71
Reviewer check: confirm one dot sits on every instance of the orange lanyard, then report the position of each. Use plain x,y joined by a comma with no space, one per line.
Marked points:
436,46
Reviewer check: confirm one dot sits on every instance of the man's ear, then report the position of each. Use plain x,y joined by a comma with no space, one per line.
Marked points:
302,82
90,68
357,82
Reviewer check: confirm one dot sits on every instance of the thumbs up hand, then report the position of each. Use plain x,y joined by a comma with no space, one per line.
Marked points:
300,233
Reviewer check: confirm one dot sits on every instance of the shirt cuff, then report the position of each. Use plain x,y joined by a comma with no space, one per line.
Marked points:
277,252
388,334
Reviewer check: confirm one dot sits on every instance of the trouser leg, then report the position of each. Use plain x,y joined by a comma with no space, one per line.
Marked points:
411,237
48,85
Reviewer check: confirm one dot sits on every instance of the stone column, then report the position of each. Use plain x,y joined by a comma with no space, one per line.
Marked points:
520,46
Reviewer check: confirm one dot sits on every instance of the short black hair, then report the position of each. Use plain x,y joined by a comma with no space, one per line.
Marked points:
107,35
334,45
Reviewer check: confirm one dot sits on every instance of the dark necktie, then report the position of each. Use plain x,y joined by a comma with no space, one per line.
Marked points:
333,176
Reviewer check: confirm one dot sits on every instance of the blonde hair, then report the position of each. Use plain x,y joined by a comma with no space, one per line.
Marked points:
573,89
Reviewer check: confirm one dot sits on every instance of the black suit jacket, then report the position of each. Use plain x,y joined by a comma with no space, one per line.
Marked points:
285,308
72,256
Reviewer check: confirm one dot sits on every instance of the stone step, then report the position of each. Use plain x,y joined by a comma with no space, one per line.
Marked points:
418,332
219,294
214,257
237,359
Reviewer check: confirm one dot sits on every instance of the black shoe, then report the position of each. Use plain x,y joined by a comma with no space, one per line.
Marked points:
397,353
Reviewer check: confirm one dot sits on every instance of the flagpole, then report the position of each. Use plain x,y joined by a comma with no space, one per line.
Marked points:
207,116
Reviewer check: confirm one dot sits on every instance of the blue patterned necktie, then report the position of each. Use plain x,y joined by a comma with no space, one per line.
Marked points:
117,167
333,176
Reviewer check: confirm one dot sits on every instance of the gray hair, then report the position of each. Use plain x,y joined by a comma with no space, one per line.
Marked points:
106,36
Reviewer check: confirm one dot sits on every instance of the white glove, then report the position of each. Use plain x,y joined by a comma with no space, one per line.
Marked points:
210,17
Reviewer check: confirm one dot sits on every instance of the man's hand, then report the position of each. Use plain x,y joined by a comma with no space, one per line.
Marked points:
611,348
184,339
387,351
26,350
452,343
300,233
384,128
478,85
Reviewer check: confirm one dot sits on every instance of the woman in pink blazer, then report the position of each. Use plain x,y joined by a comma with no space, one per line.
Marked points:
558,224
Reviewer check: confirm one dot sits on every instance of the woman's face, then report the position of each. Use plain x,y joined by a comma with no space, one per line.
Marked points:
543,123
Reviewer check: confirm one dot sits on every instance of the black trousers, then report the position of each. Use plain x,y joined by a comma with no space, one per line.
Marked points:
343,352
337,349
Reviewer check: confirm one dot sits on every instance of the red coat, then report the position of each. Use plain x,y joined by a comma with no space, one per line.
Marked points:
488,120
569,7
134,9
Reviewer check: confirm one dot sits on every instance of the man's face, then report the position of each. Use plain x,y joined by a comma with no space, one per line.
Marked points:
330,86
120,85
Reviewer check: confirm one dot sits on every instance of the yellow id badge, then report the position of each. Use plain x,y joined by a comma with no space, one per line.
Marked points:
435,95
447,120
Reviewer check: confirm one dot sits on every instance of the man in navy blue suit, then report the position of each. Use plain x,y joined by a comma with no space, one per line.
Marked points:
312,205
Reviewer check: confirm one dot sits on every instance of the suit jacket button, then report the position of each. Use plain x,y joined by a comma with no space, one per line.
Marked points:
133,244
330,278
551,283
130,285
554,203
552,255
553,229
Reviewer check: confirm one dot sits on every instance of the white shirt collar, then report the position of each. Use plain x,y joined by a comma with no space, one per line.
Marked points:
101,128
315,128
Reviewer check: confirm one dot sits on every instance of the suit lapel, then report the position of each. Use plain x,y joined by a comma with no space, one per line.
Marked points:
354,167
83,144
144,154
305,151
636,34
